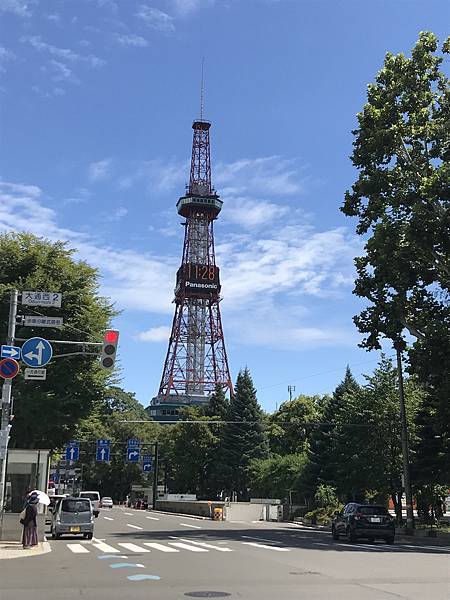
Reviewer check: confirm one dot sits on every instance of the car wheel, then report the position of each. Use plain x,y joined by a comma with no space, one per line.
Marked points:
351,535
334,533
390,540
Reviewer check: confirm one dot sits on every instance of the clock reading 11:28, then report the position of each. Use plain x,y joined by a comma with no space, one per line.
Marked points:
198,280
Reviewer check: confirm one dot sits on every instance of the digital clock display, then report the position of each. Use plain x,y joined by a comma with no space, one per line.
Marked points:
197,280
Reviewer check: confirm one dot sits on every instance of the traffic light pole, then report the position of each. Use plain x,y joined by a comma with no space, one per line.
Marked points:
6,404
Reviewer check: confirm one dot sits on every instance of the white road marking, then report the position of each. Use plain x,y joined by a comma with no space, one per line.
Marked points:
205,545
193,526
160,547
152,518
186,547
134,526
266,547
129,514
133,547
108,518
260,539
105,547
78,549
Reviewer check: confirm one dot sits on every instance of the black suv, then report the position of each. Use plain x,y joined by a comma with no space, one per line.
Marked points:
363,521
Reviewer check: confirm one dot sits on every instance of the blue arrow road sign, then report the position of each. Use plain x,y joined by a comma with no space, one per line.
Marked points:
102,453
36,352
72,452
103,442
147,467
133,454
133,443
10,352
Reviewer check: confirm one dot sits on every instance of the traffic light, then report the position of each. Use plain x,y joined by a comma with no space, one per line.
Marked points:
109,349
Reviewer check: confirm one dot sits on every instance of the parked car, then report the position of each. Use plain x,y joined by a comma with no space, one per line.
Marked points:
73,516
106,502
363,521
51,507
94,497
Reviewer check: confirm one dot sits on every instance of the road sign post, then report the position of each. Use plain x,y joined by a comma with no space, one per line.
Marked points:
6,402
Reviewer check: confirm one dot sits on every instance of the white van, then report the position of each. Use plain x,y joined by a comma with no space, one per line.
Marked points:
94,497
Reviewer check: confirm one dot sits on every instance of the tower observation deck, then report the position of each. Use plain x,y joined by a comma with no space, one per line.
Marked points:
196,360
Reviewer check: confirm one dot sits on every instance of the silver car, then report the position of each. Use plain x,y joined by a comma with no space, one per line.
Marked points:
73,516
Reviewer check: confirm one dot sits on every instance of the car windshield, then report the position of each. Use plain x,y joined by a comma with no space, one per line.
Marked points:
107,498
76,505
372,510
90,495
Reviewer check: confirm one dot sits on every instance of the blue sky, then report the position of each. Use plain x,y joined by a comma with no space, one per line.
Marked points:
97,100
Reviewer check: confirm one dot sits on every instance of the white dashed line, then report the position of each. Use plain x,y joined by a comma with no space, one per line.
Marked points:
78,549
193,526
129,514
108,518
152,518
134,526
266,547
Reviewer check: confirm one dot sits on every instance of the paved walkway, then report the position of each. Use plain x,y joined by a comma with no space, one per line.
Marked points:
15,550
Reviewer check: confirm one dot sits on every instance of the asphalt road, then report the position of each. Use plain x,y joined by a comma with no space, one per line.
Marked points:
143,555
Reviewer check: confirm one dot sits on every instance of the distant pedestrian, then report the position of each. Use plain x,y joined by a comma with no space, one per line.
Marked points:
29,534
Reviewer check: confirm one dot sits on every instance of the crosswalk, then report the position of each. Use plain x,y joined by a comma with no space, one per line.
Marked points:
174,546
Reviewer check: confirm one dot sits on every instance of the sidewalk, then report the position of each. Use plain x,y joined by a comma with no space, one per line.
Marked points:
15,550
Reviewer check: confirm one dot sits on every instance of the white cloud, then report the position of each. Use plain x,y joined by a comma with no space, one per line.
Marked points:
54,18
6,56
157,175
61,72
62,53
118,214
155,18
131,39
185,7
250,213
155,334
270,175
100,170
15,7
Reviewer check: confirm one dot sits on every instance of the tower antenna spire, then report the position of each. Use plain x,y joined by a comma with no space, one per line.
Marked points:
202,90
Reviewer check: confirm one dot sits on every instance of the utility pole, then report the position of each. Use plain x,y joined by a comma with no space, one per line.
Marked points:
399,346
291,388
155,476
6,404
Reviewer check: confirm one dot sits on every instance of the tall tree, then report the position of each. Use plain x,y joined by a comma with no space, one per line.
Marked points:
46,413
402,202
291,425
218,405
244,438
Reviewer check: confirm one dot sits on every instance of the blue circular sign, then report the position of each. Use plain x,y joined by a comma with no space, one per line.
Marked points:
36,352
9,368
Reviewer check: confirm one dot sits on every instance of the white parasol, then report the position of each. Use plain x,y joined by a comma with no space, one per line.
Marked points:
43,498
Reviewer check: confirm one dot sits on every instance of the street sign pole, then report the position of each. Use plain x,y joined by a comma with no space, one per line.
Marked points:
6,403
155,477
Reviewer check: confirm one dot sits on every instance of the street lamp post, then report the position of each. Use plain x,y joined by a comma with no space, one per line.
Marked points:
399,346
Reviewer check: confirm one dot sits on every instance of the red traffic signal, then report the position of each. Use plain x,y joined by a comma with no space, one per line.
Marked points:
109,349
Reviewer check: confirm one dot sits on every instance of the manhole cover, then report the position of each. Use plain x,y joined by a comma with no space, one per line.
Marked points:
207,594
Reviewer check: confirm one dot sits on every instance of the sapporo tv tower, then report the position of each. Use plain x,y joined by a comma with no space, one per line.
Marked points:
196,359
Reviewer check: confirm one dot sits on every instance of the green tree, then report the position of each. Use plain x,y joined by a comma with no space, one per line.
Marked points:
402,202
277,476
46,413
291,425
218,405
244,438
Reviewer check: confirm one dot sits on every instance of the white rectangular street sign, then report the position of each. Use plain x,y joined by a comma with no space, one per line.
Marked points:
43,321
32,298
36,374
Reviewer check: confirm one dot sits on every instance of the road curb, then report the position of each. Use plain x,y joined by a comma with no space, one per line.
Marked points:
10,550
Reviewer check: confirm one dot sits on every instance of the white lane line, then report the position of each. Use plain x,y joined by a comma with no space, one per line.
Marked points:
193,526
108,518
129,514
77,549
152,518
260,539
186,547
105,547
160,547
205,545
134,526
133,547
266,547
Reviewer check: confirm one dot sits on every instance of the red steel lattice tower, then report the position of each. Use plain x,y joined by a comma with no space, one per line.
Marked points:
196,359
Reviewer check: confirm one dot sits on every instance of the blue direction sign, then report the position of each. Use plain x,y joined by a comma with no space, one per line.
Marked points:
72,452
133,443
147,462
103,442
8,368
133,455
102,454
10,352
36,352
